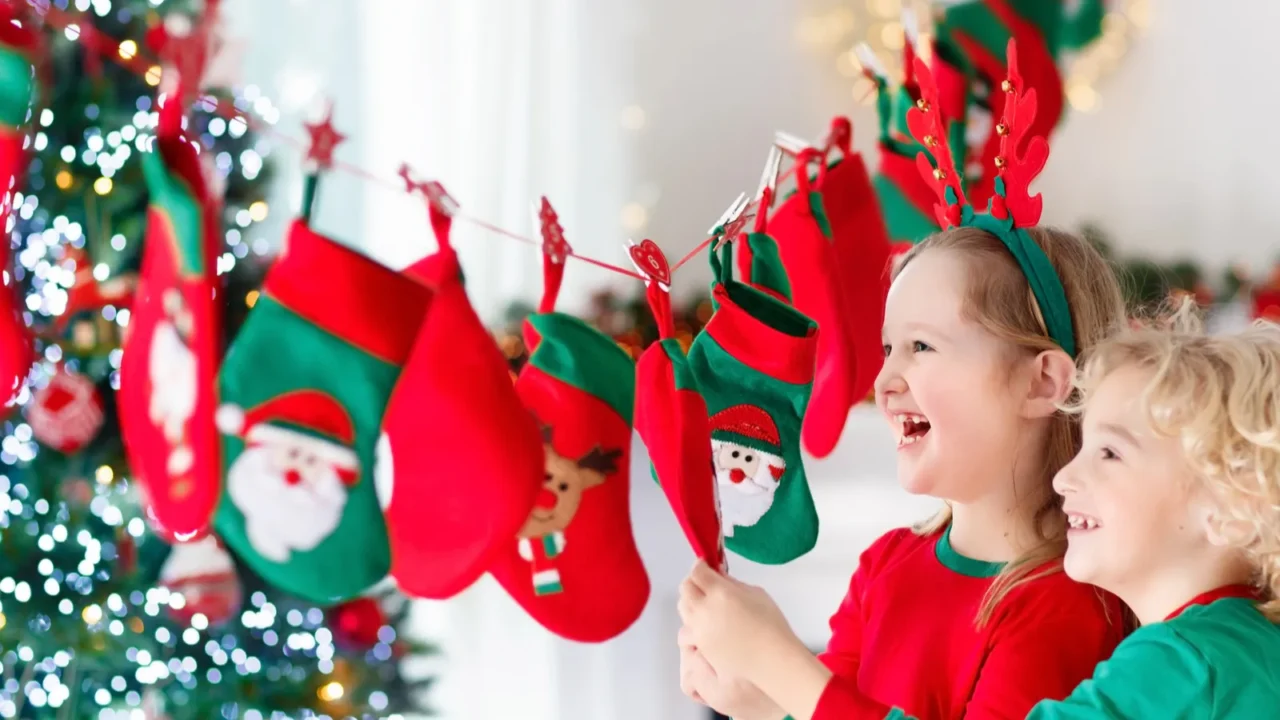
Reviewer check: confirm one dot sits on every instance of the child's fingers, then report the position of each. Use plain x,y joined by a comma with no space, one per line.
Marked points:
703,577
684,638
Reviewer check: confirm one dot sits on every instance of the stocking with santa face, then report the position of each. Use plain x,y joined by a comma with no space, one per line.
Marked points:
574,566
754,365
303,389
167,388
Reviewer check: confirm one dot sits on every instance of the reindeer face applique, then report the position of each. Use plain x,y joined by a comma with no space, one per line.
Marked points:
565,481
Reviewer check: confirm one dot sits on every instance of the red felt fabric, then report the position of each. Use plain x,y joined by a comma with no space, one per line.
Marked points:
167,395
905,637
673,423
15,339
468,458
862,254
815,270
603,586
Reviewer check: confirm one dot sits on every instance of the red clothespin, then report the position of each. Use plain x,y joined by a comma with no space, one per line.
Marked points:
650,261
432,191
553,242
324,138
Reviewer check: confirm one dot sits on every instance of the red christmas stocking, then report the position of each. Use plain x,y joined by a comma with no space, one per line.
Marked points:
167,395
573,565
18,51
464,458
672,419
861,239
809,253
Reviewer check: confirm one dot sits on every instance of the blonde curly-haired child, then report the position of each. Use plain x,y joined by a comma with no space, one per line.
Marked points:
1173,504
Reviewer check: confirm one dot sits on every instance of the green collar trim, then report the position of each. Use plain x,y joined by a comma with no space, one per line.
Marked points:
955,562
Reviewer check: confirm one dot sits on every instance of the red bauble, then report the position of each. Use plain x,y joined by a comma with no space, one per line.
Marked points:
1266,304
356,623
67,413
206,576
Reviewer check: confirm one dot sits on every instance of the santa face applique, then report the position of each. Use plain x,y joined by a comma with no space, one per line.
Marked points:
542,537
173,375
747,453
290,484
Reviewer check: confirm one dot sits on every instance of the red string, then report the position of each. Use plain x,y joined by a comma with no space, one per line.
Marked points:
107,46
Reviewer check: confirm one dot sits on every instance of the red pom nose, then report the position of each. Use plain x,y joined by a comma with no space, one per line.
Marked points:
546,500
292,477
736,476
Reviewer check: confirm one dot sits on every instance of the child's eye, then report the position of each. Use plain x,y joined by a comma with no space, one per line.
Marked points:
887,349
1109,454
919,346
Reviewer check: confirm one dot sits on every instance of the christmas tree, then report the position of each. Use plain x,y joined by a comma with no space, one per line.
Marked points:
99,617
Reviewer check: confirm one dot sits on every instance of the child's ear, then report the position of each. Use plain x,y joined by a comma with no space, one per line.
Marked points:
1052,373
1224,531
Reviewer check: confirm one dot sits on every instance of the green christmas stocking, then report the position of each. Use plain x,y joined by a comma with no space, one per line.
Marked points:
754,365
304,388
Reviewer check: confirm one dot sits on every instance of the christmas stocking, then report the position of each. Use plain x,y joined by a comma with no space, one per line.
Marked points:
303,388
18,51
809,253
573,565
754,365
671,417
167,374
857,229
462,458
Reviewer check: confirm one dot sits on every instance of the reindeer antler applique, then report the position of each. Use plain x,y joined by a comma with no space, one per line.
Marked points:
929,128
1015,170
1012,208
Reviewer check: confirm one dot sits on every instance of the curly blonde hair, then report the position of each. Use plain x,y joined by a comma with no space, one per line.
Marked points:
1000,299
1219,396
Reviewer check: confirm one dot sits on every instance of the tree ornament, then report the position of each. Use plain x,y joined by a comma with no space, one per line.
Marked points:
204,573
66,413
356,623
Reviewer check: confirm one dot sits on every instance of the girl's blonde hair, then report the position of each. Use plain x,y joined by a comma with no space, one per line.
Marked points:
1000,299
1219,396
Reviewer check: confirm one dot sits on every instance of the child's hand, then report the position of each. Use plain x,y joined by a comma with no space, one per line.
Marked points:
735,698
736,627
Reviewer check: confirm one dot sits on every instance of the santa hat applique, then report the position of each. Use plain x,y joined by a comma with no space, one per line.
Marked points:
750,426
306,418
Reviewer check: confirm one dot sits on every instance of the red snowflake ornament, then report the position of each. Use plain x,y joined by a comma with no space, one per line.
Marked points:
66,413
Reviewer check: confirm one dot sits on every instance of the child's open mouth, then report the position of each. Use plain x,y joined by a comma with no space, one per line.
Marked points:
1082,523
912,428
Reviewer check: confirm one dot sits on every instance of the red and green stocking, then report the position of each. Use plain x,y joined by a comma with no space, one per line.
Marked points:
18,53
303,388
671,418
463,460
754,365
171,349
573,565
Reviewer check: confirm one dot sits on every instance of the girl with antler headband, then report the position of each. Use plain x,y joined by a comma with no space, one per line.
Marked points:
968,615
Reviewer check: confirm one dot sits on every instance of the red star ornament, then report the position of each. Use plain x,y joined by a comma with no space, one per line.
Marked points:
324,138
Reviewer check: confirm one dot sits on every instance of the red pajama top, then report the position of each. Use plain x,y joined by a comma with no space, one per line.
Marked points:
905,642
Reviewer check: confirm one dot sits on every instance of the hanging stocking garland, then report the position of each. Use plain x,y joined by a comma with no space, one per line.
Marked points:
672,419
462,460
574,566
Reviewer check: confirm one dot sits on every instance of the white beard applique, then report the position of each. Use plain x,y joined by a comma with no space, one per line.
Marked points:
746,480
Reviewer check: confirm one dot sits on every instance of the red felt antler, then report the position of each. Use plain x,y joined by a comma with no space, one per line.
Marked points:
1018,170
928,127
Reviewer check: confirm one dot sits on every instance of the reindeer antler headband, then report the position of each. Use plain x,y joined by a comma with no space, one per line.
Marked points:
1012,208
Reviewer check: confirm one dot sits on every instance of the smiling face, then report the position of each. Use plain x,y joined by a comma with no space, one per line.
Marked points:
946,387
1131,509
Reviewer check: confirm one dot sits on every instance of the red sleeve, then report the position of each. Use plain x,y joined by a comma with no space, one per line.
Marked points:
1047,641
841,700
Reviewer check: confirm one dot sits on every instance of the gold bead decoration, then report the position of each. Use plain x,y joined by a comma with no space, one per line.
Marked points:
1006,86
1002,129
930,141
999,161
938,174
923,105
